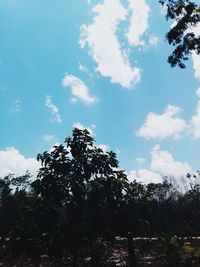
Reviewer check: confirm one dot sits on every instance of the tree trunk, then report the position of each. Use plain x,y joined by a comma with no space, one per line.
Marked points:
75,256
92,255
132,262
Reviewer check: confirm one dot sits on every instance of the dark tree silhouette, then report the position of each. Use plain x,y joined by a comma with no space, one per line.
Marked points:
186,15
80,199
84,184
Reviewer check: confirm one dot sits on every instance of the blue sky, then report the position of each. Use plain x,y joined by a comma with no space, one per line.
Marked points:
101,65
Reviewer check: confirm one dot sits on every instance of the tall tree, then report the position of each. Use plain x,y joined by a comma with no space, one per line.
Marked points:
78,181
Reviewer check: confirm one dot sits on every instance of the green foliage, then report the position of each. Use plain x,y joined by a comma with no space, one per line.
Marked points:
198,9
81,200
173,250
186,15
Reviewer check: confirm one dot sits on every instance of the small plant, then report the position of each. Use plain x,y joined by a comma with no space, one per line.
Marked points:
99,252
173,250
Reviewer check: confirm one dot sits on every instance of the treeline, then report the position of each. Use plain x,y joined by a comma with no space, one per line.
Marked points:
81,196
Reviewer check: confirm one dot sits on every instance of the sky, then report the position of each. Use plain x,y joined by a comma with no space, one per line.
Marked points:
100,65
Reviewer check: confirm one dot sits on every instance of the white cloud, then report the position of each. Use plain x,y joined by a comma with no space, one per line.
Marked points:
50,138
12,162
139,22
164,164
140,161
196,65
198,92
54,110
78,88
82,68
153,40
163,10
118,151
17,105
104,147
169,124
196,57
80,126
195,121
145,176
105,49
161,126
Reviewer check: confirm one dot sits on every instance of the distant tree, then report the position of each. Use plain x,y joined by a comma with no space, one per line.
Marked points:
16,224
5,208
189,211
81,197
161,201
133,221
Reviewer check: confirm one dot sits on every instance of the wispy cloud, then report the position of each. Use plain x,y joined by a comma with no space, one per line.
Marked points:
140,161
79,90
82,68
16,106
195,56
50,138
54,110
153,40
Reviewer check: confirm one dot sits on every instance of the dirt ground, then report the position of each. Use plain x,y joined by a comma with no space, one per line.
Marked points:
149,253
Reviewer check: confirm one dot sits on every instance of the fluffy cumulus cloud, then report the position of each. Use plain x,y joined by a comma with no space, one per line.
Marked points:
139,22
101,38
164,164
145,176
195,121
12,162
195,57
80,126
54,110
79,91
161,126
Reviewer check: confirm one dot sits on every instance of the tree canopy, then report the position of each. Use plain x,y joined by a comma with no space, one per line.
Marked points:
186,16
80,197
